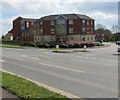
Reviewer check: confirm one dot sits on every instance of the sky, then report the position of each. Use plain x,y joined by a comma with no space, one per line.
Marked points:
104,12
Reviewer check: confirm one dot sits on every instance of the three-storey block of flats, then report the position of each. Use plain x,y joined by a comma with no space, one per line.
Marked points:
61,27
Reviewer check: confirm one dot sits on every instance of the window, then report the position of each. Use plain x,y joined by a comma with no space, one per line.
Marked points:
52,23
41,30
27,24
83,38
52,30
91,38
88,38
70,30
32,23
87,22
91,22
22,34
91,30
71,38
37,24
41,23
70,21
83,23
22,28
28,34
83,29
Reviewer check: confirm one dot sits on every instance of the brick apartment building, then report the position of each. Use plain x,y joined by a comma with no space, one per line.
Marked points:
19,25
72,27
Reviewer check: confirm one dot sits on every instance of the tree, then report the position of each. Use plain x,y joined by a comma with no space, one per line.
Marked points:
100,26
2,37
100,29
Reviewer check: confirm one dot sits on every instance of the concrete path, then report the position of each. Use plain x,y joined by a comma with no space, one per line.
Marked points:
7,95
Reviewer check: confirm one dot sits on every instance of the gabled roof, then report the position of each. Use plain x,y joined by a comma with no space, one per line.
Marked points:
68,16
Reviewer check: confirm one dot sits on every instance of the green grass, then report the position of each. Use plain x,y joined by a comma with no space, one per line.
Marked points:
26,89
10,46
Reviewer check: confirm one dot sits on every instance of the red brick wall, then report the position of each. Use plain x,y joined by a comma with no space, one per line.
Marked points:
28,38
16,26
46,28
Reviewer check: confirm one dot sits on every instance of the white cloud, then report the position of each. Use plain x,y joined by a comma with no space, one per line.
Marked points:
104,16
30,1
43,8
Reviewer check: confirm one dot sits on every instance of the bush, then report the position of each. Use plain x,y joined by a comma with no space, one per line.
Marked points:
28,44
98,44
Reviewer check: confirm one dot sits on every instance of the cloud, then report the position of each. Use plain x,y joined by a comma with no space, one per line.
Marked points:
101,12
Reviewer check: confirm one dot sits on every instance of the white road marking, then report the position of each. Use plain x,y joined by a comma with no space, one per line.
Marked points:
24,55
46,52
2,61
46,86
35,58
13,57
63,68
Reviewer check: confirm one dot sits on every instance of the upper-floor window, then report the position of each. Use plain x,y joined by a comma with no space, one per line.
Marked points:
41,30
70,21
52,22
102,34
27,24
83,29
52,30
83,23
32,23
91,30
70,30
41,23
87,22
91,22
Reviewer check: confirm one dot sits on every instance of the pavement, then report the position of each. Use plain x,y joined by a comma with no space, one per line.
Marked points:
7,95
91,74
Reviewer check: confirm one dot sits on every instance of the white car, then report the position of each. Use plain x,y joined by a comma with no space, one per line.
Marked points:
119,49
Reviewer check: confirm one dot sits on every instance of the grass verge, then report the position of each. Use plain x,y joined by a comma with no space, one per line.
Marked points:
26,89
8,46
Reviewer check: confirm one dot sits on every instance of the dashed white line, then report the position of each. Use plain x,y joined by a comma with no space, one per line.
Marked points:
34,58
13,57
2,61
62,67
24,55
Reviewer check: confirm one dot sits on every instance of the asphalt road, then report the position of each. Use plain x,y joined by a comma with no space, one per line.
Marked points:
91,74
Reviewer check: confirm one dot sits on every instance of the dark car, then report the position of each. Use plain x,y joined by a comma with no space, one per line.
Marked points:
118,49
118,43
101,41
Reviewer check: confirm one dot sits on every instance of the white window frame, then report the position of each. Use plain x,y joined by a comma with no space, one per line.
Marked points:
70,30
91,22
83,21
41,23
87,22
83,29
41,31
52,30
52,22
70,21
103,35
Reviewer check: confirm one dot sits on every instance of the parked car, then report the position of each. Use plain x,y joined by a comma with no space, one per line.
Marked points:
101,41
118,49
118,43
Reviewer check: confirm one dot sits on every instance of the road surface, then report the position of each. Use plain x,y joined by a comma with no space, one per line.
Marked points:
91,74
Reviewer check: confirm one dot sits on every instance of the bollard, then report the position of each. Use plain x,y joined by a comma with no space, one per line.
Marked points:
57,47
85,48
